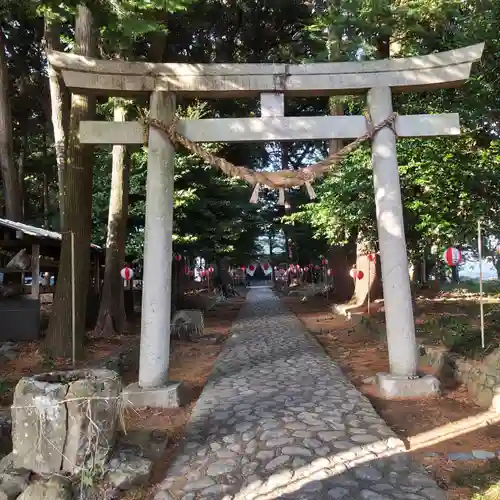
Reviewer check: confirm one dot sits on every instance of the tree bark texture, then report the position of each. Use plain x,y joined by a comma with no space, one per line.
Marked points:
340,257
371,280
112,318
362,247
12,188
46,209
78,213
340,260
20,169
60,106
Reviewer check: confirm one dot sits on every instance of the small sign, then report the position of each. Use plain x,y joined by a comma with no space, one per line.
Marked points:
127,273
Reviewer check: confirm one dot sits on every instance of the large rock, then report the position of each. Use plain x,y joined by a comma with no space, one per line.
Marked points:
54,488
61,420
12,481
187,324
8,350
127,469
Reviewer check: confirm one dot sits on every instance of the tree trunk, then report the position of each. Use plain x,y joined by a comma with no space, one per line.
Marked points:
78,213
340,260
20,169
112,318
362,247
339,256
45,201
60,104
12,190
371,280
45,181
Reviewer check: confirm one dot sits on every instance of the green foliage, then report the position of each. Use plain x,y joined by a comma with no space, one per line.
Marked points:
491,288
447,183
212,214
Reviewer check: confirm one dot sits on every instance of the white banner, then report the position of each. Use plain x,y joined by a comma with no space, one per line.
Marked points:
251,269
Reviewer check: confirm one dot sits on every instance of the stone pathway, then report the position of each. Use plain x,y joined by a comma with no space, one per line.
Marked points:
278,419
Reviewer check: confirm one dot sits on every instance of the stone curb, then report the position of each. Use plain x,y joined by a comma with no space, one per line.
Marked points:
463,456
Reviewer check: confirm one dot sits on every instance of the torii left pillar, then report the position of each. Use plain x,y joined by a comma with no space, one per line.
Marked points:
153,388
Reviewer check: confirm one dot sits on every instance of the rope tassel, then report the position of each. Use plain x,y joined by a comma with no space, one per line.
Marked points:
310,191
281,197
255,194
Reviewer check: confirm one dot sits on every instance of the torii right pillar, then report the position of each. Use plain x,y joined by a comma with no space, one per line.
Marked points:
403,379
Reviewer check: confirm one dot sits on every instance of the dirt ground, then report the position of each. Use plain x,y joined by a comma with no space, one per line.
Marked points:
190,362
356,346
362,352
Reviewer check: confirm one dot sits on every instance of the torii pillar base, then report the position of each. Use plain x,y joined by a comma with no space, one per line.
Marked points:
395,387
171,395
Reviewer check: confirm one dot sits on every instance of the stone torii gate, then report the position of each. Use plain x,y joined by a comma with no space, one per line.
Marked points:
272,82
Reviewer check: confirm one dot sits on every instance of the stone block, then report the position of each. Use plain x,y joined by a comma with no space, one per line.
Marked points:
54,488
171,395
146,443
393,386
187,324
12,481
62,419
495,402
483,454
93,405
126,469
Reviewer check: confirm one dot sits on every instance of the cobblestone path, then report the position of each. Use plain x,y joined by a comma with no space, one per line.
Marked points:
278,419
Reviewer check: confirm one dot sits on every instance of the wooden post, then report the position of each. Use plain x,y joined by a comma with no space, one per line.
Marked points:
156,301
35,271
73,300
98,274
369,285
481,296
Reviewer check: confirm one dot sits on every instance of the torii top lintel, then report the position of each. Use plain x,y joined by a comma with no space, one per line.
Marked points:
120,78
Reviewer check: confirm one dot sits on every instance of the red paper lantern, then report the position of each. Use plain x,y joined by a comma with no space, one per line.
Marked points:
371,257
252,267
265,266
203,273
317,268
243,268
210,270
311,266
329,272
324,262
126,273
191,272
178,258
452,256
356,275
186,270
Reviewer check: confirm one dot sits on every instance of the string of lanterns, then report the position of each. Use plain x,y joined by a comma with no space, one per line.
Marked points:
452,256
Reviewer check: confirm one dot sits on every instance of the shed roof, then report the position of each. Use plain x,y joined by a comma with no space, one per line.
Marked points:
36,232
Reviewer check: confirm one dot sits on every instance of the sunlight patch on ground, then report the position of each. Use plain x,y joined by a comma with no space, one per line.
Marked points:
453,429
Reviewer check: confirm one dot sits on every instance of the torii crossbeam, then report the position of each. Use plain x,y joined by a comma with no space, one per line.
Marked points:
378,79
